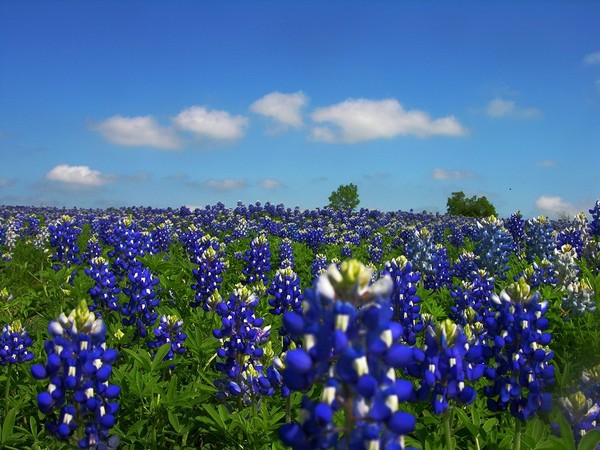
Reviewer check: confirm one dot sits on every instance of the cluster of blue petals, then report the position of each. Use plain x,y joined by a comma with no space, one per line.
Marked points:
79,400
15,345
351,346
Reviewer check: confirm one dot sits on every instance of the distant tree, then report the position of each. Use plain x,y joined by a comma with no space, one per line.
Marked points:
459,205
345,197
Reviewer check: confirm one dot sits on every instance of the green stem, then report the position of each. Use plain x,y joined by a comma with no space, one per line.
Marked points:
6,389
448,429
288,408
517,438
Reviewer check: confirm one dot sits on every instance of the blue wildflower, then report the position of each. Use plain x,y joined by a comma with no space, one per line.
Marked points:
351,347
79,401
15,344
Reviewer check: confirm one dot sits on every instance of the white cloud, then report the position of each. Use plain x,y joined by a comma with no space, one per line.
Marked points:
227,184
81,175
499,107
270,183
442,174
592,58
550,204
211,124
356,120
547,163
136,132
285,109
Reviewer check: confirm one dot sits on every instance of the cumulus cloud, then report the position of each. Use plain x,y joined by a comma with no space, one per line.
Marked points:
227,184
592,58
356,120
270,183
550,204
211,124
137,132
547,163
79,175
284,109
442,174
499,107
5,182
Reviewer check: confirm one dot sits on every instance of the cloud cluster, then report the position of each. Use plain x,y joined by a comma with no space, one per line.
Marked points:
137,132
442,174
211,124
78,175
284,109
228,184
554,205
499,107
356,120
350,121
592,59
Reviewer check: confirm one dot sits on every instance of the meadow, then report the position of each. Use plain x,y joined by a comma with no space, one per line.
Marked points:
266,327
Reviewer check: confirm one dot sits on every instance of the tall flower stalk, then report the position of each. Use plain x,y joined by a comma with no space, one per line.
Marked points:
351,347
79,402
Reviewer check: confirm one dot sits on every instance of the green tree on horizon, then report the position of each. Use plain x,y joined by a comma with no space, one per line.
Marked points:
459,205
345,197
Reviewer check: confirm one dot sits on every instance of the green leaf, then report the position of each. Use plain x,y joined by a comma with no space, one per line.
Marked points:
566,432
590,440
174,419
466,422
490,424
160,355
8,425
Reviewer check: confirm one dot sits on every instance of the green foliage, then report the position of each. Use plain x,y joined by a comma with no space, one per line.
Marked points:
459,205
176,407
345,197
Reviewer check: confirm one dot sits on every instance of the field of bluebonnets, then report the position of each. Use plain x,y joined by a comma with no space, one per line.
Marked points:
264,327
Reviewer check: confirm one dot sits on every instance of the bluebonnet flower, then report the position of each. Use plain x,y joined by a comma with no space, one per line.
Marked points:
539,274
404,300
515,225
571,236
438,270
493,246
518,341
578,295
472,299
286,254
93,249
80,401
15,344
64,233
105,292
351,347
258,261
286,296
346,252
140,309
169,331
208,274
128,244
450,361
375,249
594,225
582,412
242,336
465,264
319,265
161,236
539,239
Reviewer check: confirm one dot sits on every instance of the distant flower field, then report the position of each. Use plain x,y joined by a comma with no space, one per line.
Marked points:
265,327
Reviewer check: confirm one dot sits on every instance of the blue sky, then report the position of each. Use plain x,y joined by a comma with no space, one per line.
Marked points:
170,103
